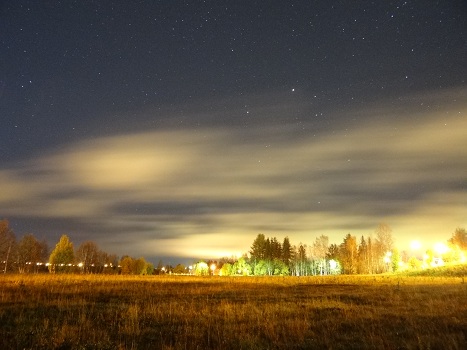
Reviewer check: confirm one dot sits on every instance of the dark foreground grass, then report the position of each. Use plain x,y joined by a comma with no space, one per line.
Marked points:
182,312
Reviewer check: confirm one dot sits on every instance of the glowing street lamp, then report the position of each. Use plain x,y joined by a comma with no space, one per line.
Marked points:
415,245
441,248
387,259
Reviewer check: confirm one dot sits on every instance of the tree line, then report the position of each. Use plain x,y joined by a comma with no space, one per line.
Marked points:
29,255
267,256
366,255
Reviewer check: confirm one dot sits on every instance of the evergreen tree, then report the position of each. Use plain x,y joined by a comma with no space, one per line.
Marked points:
258,249
286,255
276,249
363,257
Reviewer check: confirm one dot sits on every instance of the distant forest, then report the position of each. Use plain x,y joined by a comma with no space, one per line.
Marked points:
267,256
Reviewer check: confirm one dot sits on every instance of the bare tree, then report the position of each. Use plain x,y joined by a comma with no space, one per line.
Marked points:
382,245
319,250
31,254
7,245
87,255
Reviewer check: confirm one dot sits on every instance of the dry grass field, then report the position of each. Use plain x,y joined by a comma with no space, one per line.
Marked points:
185,312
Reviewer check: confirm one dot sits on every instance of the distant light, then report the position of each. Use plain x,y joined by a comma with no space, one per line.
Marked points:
441,248
415,245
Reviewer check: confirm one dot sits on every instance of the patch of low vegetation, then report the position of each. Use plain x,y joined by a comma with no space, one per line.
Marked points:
459,270
187,312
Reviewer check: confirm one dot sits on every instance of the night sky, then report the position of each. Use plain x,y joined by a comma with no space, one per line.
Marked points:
182,129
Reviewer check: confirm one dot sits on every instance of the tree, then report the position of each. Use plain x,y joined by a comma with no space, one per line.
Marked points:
31,254
143,267
88,255
395,259
62,257
383,245
226,269
414,263
275,249
160,269
363,257
201,269
126,265
180,269
319,250
7,245
280,268
261,268
286,251
384,237
258,248
108,263
333,252
300,260
241,267
131,266
459,238
428,258
348,254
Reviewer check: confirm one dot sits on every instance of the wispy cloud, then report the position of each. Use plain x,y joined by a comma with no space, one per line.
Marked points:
206,190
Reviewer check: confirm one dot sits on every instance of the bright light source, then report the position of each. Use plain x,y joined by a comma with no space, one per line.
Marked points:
415,245
441,248
332,264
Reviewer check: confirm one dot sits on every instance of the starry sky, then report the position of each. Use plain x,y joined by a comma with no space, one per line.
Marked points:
182,129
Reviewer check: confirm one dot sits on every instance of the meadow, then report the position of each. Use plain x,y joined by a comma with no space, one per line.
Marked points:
187,312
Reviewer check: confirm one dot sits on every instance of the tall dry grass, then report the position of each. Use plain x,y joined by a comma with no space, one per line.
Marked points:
184,312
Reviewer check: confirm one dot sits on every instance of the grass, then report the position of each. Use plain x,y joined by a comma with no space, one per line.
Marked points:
185,312
459,270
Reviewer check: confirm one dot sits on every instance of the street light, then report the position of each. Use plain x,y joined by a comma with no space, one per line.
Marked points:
387,259
441,248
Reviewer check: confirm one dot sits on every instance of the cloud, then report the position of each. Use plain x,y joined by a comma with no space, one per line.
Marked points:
191,191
